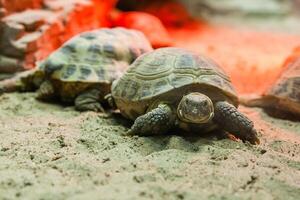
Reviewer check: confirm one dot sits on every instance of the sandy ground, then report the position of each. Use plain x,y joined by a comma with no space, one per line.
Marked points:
48,151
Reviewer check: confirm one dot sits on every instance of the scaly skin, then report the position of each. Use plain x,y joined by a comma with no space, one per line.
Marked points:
231,120
89,101
162,119
157,121
45,91
111,101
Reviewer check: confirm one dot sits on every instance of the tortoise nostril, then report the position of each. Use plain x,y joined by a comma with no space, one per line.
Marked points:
194,111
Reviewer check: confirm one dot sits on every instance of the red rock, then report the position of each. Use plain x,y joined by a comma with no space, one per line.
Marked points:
2,12
170,12
295,55
28,43
30,19
32,35
150,25
11,6
10,32
18,31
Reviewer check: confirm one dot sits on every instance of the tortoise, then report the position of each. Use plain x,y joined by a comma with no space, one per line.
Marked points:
282,98
83,68
173,87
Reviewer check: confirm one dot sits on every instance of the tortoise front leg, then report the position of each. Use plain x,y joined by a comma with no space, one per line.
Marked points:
231,120
157,121
89,101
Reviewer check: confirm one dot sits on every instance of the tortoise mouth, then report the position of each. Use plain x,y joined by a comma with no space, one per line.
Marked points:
194,120
205,120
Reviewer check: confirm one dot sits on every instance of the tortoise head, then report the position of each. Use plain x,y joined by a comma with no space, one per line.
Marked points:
195,108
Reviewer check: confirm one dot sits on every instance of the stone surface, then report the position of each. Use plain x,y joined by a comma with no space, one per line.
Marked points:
170,12
21,29
32,34
30,19
9,65
11,6
149,24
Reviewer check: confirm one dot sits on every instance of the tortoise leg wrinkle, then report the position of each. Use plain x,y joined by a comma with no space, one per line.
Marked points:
232,121
157,121
111,101
45,91
89,101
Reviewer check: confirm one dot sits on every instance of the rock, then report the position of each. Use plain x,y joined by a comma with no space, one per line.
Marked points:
11,6
2,12
9,65
170,12
246,8
149,24
28,42
31,35
11,31
30,19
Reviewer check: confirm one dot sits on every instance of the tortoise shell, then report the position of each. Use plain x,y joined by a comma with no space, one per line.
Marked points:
167,74
100,55
286,89
91,59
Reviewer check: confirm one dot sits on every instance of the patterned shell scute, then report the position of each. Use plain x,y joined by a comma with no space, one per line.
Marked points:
288,84
100,55
165,69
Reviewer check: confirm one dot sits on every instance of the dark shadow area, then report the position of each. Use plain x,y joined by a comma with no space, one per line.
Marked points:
118,118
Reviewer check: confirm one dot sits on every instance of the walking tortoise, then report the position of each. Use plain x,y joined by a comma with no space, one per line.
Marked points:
171,87
83,68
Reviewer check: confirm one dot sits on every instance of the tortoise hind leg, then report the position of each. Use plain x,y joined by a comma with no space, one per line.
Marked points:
22,81
45,91
231,120
111,102
9,85
258,101
89,101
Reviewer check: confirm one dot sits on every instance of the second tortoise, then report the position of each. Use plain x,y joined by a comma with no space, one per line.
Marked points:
83,68
282,99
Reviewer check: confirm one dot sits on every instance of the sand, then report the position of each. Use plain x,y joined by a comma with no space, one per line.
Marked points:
50,151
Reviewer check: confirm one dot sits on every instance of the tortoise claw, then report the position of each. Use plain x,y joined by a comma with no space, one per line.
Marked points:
252,137
254,141
129,133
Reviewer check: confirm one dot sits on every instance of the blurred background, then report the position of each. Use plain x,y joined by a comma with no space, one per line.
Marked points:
250,39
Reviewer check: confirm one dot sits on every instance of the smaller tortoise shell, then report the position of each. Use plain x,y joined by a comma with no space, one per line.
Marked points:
168,73
286,89
100,55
